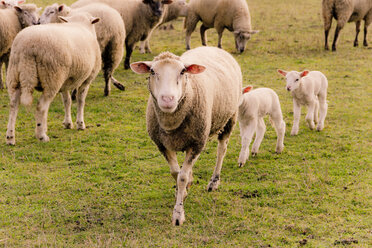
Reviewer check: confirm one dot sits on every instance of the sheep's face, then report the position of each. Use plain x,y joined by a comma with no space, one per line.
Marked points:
293,78
157,6
241,39
27,16
167,81
51,13
9,4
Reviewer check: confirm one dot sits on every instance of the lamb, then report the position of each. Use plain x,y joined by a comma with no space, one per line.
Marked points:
52,58
10,3
308,88
220,14
139,17
254,106
110,35
171,12
13,20
346,11
192,98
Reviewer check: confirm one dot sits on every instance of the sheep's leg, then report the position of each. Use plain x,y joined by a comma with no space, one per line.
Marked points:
66,98
190,24
246,133
223,140
114,55
81,95
129,50
220,32
41,117
261,129
107,74
1,74
357,30
367,22
327,26
279,125
14,105
323,106
203,35
310,115
182,181
316,111
296,117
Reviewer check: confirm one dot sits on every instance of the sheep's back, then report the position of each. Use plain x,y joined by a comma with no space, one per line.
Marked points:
9,27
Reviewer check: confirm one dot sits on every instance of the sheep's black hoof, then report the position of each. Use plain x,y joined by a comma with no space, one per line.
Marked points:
241,165
119,86
177,223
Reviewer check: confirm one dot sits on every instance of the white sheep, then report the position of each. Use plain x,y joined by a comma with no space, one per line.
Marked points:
171,12
10,3
52,58
192,98
308,88
139,17
110,35
12,20
220,14
254,106
346,11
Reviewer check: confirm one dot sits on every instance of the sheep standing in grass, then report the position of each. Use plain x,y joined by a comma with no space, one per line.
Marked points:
139,17
12,21
110,32
220,14
192,98
171,12
308,88
52,58
346,11
254,106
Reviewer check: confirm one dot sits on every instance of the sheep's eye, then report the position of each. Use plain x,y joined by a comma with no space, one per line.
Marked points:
183,71
296,80
152,72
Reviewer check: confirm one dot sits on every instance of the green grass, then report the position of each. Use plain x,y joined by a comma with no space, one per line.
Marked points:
108,186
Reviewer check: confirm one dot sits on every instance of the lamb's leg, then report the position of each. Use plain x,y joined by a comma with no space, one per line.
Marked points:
182,181
14,105
190,24
203,34
223,140
80,97
296,117
261,129
310,114
246,133
129,50
322,112
316,111
357,30
66,98
42,116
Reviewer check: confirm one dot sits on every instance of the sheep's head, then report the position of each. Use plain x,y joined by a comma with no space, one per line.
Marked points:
82,17
6,4
241,39
293,78
27,14
168,79
51,13
157,6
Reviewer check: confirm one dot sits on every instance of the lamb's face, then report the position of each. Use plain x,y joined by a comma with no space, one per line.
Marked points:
293,78
27,16
51,13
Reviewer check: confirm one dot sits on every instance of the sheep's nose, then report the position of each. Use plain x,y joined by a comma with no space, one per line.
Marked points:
36,23
289,88
241,50
167,99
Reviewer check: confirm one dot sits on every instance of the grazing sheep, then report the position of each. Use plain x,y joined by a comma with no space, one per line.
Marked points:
192,98
52,58
346,11
12,21
110,35
139,17
171,12
308,88
220,14
254,106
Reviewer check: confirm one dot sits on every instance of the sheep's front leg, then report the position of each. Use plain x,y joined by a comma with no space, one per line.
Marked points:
1,74
81,95
357,30
220,32
182,181
14,105
66,98
129,50
261,129
367,22
310,114
246,133
203,36
42,116
296,117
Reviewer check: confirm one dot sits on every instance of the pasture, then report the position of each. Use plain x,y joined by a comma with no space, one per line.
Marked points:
109,186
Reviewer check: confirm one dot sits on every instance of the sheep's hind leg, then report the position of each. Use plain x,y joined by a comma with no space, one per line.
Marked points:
246,133
66,98
261,129
81,95
203,35
223,140
42,116
296,117
367,22
357,30
327,27
279,125
190,24
322,113
310,115
14,105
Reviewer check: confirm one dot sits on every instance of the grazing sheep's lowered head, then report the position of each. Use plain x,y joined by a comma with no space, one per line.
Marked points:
157,6
27,14
293,78
241,39
168,78
51,13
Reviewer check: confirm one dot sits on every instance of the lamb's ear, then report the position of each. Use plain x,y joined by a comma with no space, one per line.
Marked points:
254,31
304,73
167,1
18,9
61,7
194,69
247,89
63,19
20,2
94,20
284,73
141,67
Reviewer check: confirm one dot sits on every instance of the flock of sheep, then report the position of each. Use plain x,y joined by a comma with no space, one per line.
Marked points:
192,97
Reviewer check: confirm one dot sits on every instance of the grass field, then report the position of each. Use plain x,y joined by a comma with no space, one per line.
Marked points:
108,186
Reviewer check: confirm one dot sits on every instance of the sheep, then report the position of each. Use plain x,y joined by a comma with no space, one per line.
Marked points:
346,11
12,20
139,17
192,98
254,106
220,14
10,3
171,12
308,88
110,35
52,58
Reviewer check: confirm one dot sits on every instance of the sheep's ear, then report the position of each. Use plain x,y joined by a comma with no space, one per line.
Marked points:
247,89
284,73
94,20
20,2
254,31
61,7
3,3
18,9
146,1
194,69
62,19
167,1
304,73
141,67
